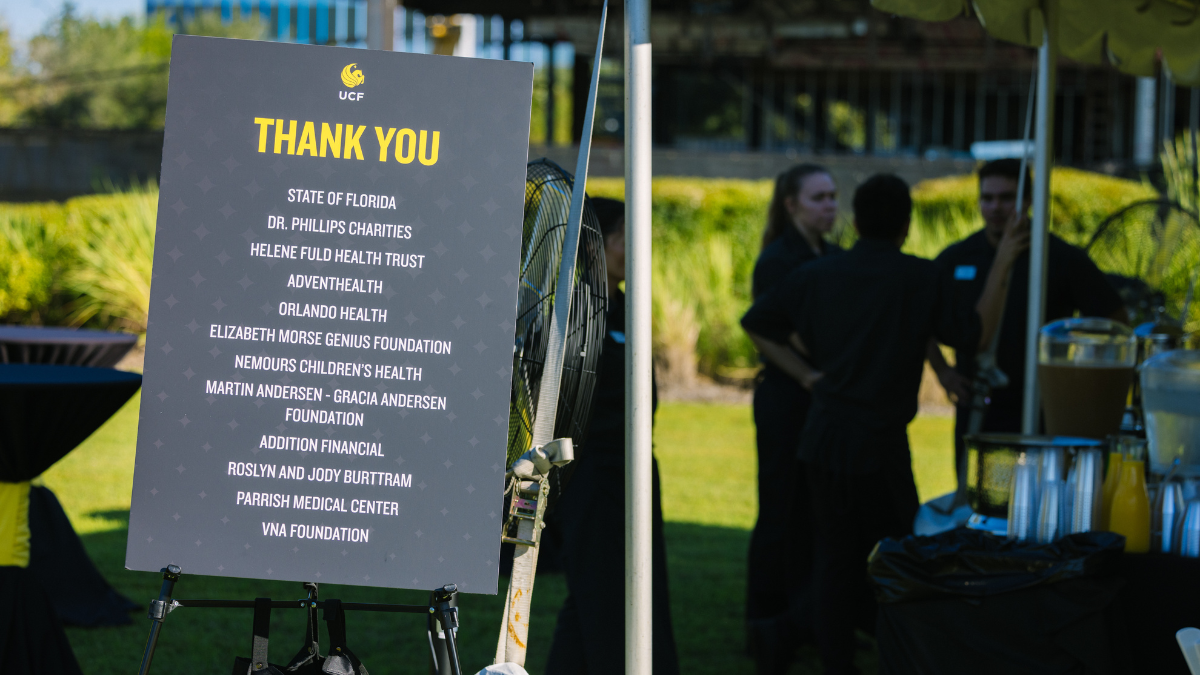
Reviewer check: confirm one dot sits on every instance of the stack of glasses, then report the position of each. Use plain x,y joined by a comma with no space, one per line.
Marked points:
1049,500
1176,513
1056,492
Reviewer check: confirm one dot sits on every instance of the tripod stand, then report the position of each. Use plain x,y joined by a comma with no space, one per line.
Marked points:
441,628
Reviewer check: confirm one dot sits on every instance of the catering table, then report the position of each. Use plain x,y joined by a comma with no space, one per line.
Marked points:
63,346
45,412
1096,610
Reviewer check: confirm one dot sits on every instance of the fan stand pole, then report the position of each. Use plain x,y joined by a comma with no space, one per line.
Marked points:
514,633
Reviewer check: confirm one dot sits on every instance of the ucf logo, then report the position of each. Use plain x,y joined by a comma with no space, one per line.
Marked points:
352,77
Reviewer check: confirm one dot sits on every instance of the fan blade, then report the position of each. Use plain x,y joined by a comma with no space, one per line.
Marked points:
547,405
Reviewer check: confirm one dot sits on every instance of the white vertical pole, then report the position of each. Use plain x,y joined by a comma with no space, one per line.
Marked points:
1040,237
1144,145
380,24
1166,125
468,37
638,382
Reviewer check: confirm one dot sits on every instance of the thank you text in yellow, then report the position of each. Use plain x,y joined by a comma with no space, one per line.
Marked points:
345,141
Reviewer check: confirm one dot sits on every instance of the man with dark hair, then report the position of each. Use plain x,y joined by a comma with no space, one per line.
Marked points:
1010,169
863,321
882,208
1000,250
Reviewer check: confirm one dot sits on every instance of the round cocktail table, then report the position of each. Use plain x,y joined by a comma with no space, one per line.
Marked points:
45,412
63,346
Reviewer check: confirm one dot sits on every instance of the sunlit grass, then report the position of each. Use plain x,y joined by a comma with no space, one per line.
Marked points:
706,460
706,457
932,443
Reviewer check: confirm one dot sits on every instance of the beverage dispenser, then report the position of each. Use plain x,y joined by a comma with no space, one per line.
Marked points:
1085,367
1171,402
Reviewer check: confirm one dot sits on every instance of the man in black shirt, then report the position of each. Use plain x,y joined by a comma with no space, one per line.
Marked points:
863,321
1001,248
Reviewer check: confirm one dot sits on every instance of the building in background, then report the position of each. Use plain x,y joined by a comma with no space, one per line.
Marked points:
776,76
741,88
341,22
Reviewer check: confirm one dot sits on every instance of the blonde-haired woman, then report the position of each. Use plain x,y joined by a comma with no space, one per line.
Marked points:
802,213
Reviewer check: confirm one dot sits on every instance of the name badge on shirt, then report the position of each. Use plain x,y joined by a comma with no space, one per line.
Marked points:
964,272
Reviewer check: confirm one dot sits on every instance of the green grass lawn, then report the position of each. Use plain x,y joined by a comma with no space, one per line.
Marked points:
706,457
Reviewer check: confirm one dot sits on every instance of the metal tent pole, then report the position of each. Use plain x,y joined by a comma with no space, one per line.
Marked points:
638,382
380,24
1040,239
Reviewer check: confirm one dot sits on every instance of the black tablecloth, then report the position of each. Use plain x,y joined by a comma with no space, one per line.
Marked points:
1059,628
1112,618
46,411
81,596
31,638
63,346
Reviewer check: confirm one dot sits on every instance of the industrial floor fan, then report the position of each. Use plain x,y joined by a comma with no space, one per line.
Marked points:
547,202
547,198
1150,251
561,304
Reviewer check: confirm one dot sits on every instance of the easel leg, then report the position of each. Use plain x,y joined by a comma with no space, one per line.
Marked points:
158,612
443,618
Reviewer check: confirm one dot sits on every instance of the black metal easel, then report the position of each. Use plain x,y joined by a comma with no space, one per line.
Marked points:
442,611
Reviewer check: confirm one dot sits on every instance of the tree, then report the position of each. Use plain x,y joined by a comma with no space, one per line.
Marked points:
9,107
85,73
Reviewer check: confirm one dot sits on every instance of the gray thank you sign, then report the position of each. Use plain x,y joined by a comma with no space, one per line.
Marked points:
329,352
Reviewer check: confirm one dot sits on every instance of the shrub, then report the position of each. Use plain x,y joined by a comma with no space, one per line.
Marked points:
707,233
88,261
945,209
1178,272
83,262
35,254
115,252
706,237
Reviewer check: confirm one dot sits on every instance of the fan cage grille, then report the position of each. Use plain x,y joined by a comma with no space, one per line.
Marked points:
547,205
1150,251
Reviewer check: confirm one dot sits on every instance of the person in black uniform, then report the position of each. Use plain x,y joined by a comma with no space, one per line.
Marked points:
590,634
802,212
863,321
1074,284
